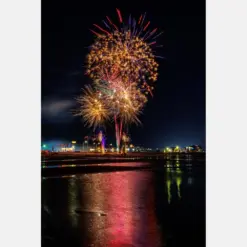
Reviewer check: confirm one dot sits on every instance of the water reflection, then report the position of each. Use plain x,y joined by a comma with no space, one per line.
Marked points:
118,209
173,177
73,199
128,208
104,209
168,184
190,180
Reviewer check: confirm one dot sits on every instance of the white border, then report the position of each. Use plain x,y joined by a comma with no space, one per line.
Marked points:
226,122
20,66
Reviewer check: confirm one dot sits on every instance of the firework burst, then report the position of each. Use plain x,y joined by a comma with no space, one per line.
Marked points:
125,57
124,52
124,101
92,108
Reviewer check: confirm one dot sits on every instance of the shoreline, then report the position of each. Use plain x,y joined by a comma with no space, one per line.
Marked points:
64,164
111,156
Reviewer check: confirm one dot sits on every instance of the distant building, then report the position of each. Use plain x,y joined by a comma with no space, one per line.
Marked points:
194,148
60,146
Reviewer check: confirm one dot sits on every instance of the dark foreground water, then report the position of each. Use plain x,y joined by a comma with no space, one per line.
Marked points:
126,208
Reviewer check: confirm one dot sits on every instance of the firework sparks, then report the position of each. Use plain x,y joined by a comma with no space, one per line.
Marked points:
123,55
125,52
123,101
92,108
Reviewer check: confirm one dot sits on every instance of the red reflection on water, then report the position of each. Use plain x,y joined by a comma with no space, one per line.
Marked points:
122,209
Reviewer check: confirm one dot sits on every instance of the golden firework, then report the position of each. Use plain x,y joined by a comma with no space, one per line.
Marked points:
124,56
92,108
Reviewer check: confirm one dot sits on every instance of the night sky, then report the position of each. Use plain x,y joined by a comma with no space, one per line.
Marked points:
176,113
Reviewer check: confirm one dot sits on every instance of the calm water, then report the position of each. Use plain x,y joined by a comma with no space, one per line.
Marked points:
127,208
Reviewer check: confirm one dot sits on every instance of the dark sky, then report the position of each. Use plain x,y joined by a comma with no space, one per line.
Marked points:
176,113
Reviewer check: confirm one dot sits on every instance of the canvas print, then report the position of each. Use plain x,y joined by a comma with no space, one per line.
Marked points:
123,123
